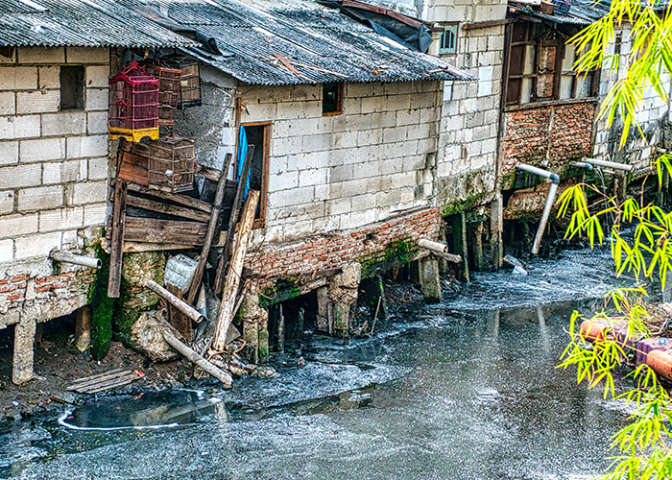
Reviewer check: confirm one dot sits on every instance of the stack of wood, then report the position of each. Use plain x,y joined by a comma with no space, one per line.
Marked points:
150,219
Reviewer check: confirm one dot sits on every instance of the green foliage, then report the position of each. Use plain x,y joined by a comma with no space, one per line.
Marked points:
103,308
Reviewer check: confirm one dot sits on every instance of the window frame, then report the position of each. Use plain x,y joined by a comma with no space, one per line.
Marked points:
558,72
454,28
263,197
340,92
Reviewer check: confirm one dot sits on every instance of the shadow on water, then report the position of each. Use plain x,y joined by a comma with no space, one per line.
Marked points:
466,389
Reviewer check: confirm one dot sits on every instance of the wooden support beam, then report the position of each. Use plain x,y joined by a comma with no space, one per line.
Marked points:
167,209
235,268
233,219
152,230
185,200
181,305
194,357
117,238
211,233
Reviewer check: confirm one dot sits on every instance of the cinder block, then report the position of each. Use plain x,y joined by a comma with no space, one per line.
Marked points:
99,168
7,103
16,225
316,176
97,76
64,172
373,104
92,192
295,196
9,153
96,99
41,101
49,77
6,202
41,150
19,176
95,214
64,123
62,219
283,181
37,245
97,123
18,78
41,55
87,55
95,146
316,143
6,250
24,126
369,137
40,198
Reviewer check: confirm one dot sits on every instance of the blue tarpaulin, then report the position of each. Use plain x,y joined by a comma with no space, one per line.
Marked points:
242,153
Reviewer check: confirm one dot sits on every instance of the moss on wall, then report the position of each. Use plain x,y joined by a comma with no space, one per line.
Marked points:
103,307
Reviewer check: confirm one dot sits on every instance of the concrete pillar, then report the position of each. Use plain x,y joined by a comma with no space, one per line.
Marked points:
460,242
24,341
343,293
429,279
324,311
83,329
255,326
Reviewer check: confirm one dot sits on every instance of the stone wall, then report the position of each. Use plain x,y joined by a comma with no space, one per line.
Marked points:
547,135
343,172
54,169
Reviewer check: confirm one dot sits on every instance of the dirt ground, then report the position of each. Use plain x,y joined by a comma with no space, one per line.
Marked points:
58,364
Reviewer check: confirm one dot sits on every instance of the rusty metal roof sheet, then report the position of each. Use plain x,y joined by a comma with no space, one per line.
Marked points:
320,43
86,23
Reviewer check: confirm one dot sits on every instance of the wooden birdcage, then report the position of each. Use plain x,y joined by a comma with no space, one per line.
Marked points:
190,84
134,105
169,93
171,164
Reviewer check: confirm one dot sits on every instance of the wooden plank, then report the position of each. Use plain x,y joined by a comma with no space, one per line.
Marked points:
211,233
234,270
152,230
162,207
194,357
209,172
91,377
179,320
133,168
492,23
96,379
117,239
233,219
185,200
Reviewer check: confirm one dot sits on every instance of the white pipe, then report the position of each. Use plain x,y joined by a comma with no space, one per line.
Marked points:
585,165
605,163
91,262
549,201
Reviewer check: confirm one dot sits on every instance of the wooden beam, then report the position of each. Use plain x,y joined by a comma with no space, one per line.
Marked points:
167,209
211,233
234,270
152,230
185,200
491,23
178,303
117,238
194,357
233,219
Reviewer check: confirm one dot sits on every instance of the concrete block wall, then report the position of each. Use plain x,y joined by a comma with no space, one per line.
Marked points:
638,150
467,163
54,166
342,172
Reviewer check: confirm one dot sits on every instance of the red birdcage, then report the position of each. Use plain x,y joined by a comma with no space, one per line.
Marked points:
134,104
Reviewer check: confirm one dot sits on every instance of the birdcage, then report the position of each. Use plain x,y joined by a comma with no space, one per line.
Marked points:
169,93
171,164
190,84
134,104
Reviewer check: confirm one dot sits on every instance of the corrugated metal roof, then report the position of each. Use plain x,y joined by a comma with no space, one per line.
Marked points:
88,23
322,44
583,12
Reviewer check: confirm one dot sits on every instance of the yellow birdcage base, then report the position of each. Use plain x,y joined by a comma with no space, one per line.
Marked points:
134,135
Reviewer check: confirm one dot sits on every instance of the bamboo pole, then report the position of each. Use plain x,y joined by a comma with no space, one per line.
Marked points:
194,357
181,305
234,270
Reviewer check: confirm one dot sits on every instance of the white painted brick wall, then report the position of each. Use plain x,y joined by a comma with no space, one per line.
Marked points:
6,202
41,149
36,245
40,101
40,198
92,192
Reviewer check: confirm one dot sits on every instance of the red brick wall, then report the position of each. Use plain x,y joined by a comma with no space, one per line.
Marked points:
527,134
334,251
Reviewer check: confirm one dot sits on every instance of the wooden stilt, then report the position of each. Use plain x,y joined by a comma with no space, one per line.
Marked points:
117,238
83,329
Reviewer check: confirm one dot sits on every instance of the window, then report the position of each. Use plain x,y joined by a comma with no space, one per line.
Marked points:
332,99
448,42
259,135
541,67
72,88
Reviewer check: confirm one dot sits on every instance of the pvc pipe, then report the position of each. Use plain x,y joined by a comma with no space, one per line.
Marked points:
432,246
585,165
549,201
65,257
605,163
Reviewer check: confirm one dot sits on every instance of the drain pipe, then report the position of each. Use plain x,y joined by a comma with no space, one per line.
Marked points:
585,165
604,163
549,201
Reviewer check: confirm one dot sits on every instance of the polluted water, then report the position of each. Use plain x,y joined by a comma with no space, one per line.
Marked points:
463,389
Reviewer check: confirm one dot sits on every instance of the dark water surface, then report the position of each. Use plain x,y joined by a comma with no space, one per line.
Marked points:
465,389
